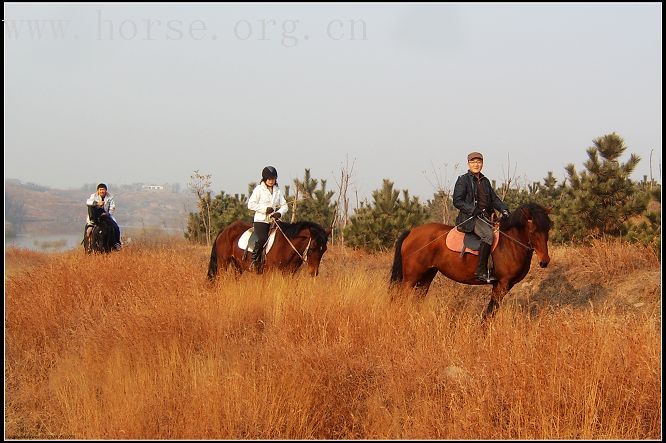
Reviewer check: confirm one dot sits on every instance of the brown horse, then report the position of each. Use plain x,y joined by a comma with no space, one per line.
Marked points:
421,252
295,244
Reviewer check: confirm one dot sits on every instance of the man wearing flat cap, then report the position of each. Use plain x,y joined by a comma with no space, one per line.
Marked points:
475,198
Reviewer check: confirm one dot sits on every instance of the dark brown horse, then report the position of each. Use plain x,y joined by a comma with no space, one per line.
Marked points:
98,236
295,244
421,252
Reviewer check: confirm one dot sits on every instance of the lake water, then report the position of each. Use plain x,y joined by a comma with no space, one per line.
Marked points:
46,243
65,242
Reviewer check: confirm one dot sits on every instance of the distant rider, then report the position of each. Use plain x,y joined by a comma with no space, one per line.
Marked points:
104,200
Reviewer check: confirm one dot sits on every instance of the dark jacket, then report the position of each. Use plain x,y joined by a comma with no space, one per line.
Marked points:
465,199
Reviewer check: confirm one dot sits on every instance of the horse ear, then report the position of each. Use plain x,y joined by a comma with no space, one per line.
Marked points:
328,232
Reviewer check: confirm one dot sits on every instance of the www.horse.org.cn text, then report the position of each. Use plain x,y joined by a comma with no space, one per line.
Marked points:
288,33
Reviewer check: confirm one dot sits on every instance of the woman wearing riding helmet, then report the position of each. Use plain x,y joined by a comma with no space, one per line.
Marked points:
268,204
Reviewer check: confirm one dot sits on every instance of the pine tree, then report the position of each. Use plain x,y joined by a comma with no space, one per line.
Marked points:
310,203
375,226
602,199
440,209
224,210
646,229
227,209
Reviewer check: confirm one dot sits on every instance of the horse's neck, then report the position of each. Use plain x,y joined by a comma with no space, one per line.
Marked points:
298,240
508,241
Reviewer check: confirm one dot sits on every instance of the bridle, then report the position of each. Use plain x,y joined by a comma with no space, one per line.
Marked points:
527,246
304,255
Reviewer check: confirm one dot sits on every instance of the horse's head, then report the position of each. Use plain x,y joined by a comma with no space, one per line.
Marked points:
538,227
95,213
309,242
319,238
102,235
535,220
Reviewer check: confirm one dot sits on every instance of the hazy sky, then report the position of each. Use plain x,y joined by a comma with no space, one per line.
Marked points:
126,93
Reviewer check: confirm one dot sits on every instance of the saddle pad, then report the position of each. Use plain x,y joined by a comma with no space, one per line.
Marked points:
455,239
244,239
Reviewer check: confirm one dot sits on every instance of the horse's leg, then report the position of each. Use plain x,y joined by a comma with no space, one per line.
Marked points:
87,240
417,279
423,284
499,291
236,264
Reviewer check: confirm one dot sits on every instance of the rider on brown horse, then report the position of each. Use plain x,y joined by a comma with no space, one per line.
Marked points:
268,203
475,198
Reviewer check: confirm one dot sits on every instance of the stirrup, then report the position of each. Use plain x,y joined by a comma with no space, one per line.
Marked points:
486,277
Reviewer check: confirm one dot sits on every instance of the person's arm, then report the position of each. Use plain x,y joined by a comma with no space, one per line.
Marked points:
112,204
284,207
459,194
496,202
254,202
91,200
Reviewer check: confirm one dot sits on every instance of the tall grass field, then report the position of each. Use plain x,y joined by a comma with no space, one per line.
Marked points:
139,345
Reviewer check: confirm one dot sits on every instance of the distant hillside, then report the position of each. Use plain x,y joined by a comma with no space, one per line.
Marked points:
31,208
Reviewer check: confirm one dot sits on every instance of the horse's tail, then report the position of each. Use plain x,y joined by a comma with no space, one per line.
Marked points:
212,265
396,271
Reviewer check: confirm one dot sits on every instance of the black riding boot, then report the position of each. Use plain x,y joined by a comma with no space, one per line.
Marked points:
255,266
482,273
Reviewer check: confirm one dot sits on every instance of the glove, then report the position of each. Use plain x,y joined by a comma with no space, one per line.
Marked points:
269,210
505,214
276,215
477,211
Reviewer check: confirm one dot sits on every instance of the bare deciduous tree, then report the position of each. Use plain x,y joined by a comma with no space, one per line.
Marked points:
443,191
294,208
200,184
342,204
508,177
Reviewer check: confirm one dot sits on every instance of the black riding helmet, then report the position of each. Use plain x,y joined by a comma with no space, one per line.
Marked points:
268,172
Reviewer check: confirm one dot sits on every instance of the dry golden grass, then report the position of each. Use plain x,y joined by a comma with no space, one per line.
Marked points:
19,260
137,345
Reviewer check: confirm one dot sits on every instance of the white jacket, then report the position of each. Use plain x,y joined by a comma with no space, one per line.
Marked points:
262,198
109,204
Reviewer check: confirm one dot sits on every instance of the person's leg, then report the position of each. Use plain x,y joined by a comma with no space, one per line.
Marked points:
485,232
116,231
261,229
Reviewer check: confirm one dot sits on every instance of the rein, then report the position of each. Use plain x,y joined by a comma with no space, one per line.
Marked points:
526,246
439,236
303,256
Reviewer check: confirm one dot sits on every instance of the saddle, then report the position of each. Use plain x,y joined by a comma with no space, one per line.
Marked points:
248,238
467,242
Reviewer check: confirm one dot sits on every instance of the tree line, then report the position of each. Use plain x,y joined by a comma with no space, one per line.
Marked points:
599,201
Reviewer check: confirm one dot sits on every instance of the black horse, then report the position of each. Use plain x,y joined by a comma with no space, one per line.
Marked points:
98,236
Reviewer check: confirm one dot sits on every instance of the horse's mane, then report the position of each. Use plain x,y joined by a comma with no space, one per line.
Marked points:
518,218
293,229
